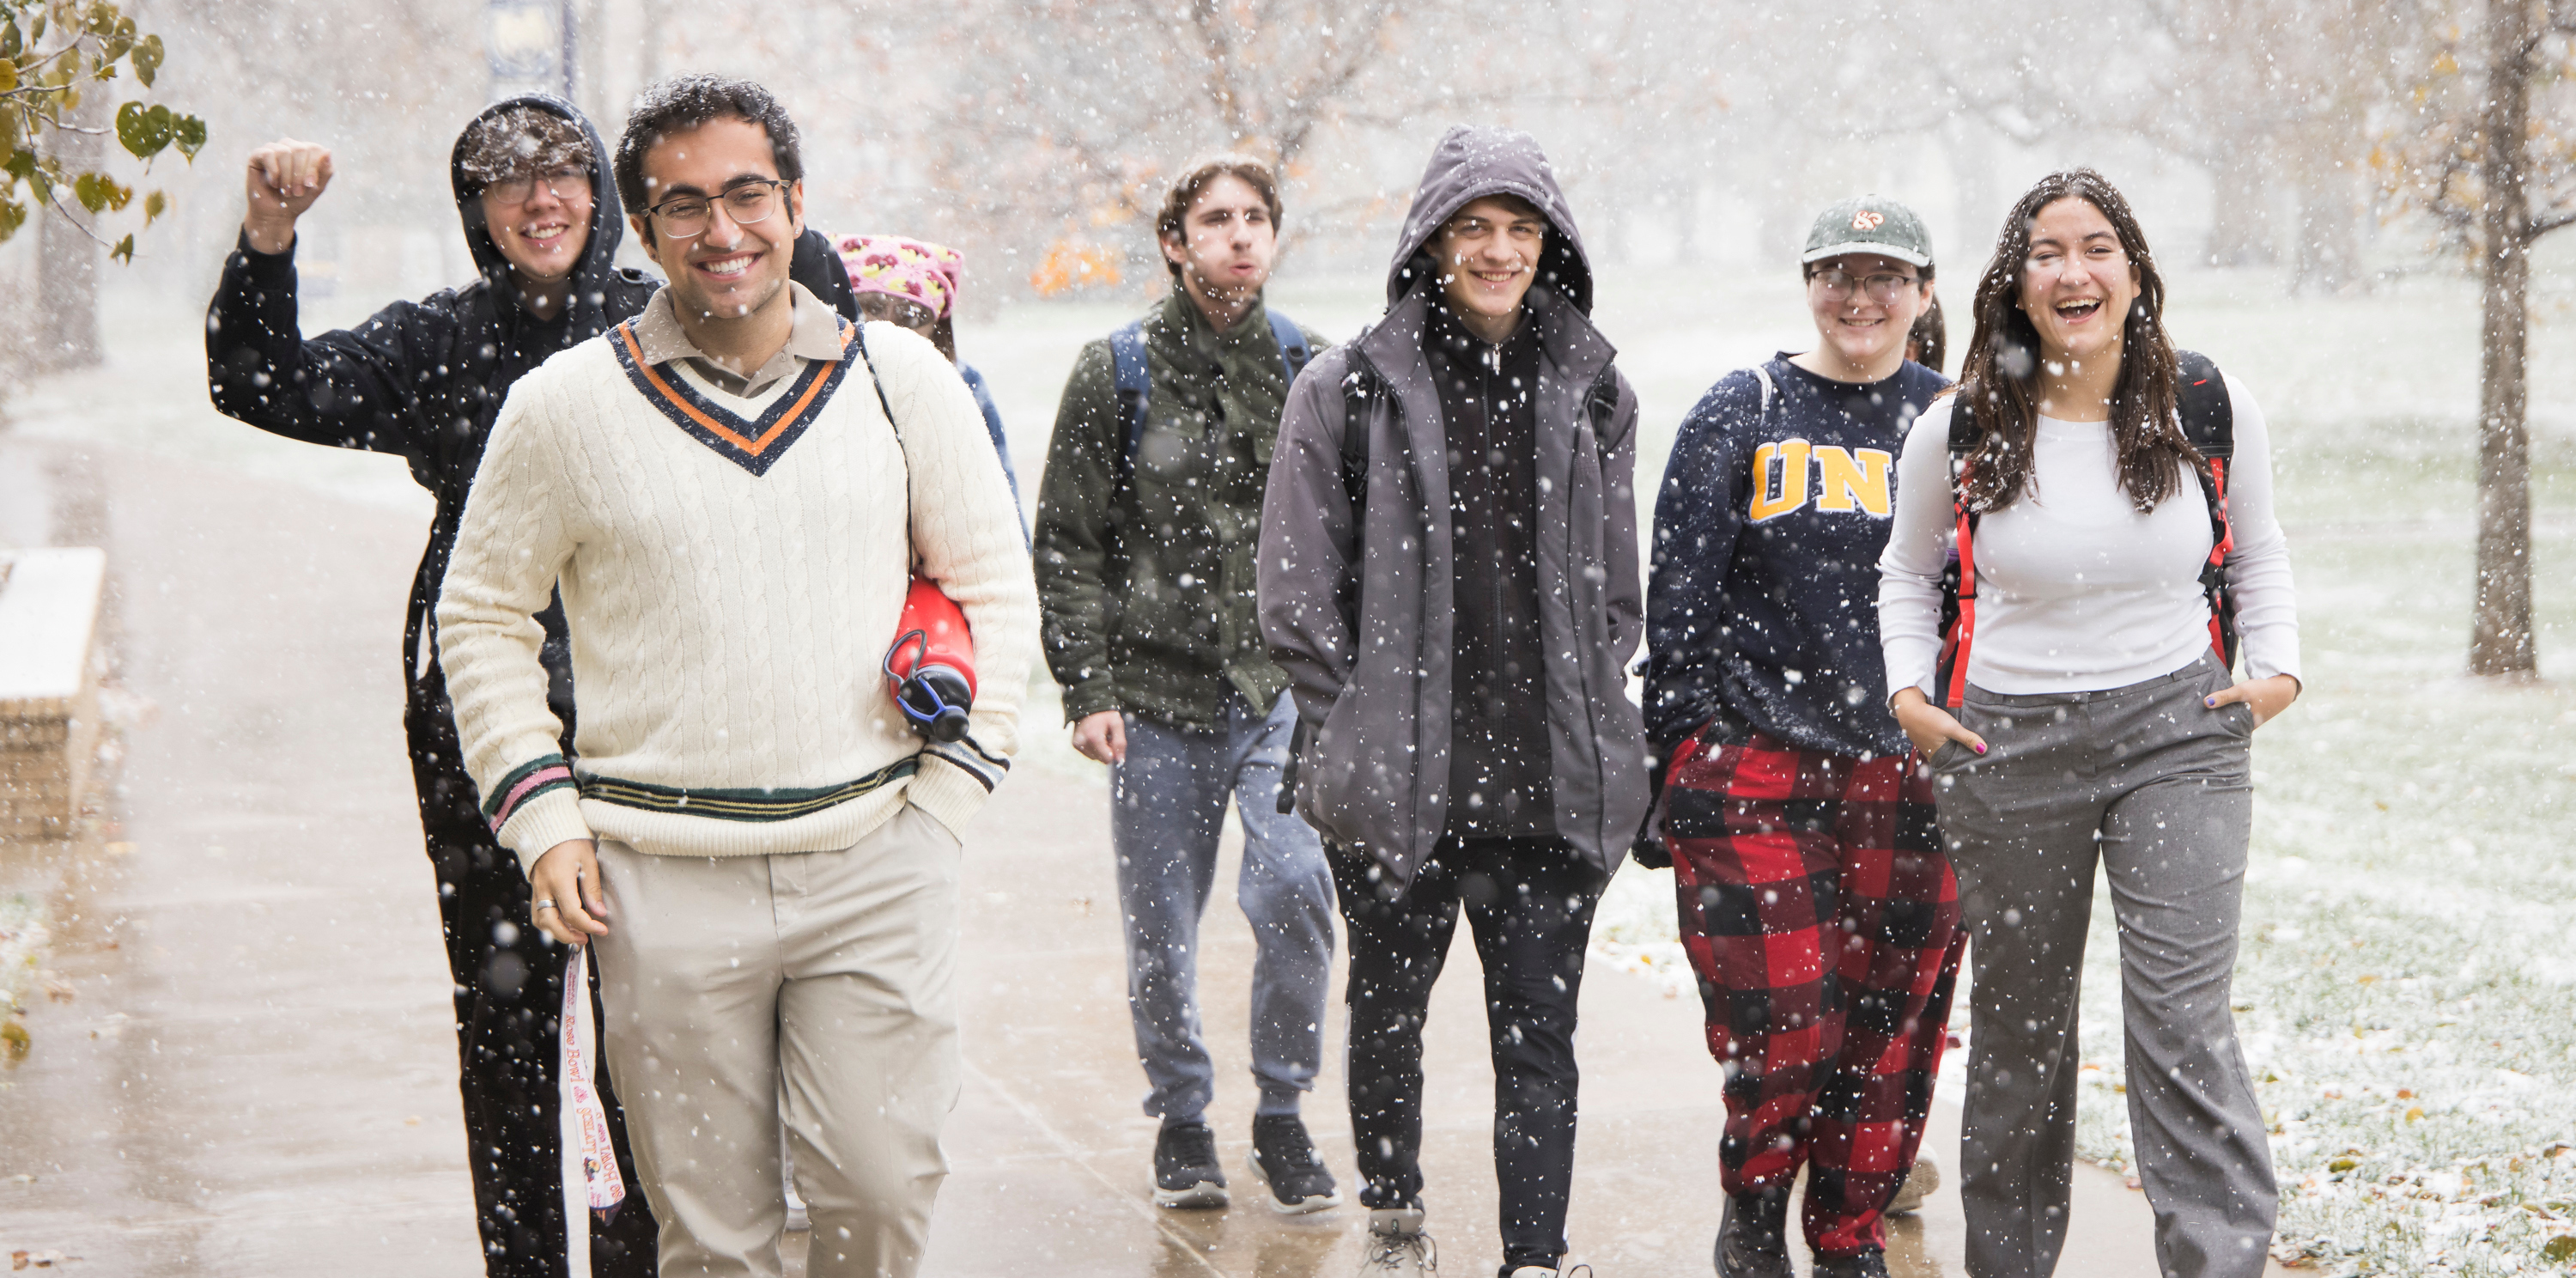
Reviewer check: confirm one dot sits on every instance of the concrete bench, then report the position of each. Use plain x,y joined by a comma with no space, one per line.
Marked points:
50,661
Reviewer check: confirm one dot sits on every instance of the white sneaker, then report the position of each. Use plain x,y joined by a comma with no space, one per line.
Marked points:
1918,1186
1399,1246
1533,1271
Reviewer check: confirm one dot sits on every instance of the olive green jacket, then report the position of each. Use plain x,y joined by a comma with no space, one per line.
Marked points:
1148,587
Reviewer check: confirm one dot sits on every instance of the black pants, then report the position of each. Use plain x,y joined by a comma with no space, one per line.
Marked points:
509,994
1529,903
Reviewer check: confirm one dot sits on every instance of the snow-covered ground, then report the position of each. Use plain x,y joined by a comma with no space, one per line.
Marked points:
2406,990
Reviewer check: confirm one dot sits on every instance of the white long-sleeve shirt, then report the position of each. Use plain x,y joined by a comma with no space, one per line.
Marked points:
733,568
2077,591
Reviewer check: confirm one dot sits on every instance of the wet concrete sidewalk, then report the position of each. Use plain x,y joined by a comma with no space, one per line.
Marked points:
256,1072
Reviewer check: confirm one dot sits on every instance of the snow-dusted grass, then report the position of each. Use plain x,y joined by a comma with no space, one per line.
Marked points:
2406,991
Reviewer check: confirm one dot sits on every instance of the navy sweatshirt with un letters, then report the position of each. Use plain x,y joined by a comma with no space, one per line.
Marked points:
1762,606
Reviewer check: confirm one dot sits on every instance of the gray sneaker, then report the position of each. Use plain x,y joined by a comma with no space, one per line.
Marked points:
1918,1186
1398,1246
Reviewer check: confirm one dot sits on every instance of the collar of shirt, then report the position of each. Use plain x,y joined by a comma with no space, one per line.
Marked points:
814,334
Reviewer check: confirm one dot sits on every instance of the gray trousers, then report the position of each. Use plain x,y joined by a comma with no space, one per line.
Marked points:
1167,808
2154,786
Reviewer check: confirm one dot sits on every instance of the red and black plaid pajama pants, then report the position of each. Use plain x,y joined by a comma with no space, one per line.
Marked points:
1820,913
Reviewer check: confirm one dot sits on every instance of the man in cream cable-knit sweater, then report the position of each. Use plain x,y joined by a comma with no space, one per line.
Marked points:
766,856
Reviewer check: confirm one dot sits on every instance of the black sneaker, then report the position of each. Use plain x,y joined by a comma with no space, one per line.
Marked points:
1185,1169
1751,1243
1859,1264
1284,1159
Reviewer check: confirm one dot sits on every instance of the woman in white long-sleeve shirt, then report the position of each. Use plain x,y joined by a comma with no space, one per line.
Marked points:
2098,726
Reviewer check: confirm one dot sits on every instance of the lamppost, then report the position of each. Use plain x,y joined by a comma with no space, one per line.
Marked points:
532,46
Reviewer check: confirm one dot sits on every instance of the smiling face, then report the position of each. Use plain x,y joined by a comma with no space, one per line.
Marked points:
729,270
1488,254
543,233
1865,332
1227,241
2077,283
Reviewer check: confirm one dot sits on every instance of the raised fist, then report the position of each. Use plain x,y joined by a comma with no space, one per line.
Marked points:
284,179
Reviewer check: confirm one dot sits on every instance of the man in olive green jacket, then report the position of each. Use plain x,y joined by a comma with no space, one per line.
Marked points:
1148,518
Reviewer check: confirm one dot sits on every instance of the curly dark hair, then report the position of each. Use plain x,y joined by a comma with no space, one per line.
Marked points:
1998,382
1195,179
684,102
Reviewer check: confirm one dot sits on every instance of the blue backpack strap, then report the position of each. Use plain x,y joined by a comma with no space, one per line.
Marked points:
1127,357
1293,352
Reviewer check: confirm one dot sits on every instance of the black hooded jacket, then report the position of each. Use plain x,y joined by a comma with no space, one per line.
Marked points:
425,379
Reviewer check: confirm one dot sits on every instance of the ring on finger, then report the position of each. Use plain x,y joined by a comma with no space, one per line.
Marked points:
545,905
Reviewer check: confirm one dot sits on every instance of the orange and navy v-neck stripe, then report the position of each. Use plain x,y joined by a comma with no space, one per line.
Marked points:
755,444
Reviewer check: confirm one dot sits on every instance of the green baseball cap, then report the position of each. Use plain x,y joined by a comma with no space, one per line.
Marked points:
1869,224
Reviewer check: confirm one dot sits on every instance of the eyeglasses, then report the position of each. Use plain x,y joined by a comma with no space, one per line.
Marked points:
564,183
751,200
1836,285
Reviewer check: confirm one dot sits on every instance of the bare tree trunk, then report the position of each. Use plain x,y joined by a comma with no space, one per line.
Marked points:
67,259
2500,641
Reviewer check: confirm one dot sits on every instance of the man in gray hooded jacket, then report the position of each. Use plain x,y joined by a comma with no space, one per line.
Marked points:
1449,576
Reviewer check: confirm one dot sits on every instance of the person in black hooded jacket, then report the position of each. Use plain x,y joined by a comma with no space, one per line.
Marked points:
423,380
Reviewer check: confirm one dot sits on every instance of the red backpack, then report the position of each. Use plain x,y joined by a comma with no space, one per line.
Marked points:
2208,421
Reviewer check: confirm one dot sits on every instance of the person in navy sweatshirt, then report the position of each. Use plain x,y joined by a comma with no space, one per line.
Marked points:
1816,904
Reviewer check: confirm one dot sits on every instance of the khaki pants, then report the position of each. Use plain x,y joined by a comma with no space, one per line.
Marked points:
812,988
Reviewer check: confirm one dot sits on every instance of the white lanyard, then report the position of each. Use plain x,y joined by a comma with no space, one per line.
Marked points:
590,1179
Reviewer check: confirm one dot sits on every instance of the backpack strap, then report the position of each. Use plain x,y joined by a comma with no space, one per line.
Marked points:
859,343
1127,362
1357,390
2209,422
2208,415
1959,575
1763,375
1293,351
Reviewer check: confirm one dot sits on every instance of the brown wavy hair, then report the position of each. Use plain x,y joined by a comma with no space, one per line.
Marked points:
1256,174
1998,385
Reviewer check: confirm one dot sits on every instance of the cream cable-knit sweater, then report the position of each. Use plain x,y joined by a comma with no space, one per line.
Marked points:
733,571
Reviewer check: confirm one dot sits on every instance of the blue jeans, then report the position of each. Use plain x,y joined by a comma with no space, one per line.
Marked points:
1167,807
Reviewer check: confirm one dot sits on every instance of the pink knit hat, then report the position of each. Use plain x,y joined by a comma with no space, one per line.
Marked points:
924,273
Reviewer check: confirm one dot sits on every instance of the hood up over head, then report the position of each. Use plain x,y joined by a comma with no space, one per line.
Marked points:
587,309
1469,164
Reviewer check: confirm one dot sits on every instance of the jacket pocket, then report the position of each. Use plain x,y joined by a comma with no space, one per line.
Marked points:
1326,772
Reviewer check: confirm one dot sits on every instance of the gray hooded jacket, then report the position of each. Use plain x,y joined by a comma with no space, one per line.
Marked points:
1355,570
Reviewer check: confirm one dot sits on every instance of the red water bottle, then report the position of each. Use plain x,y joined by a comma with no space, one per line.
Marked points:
930,670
